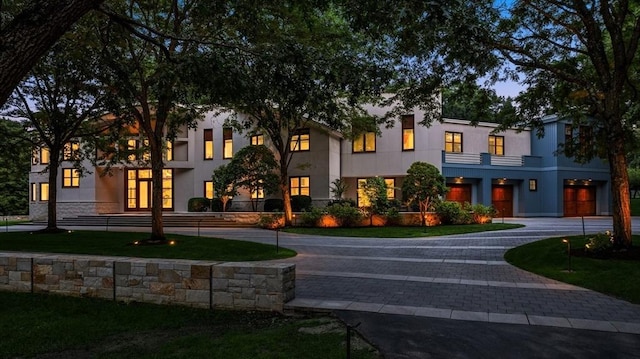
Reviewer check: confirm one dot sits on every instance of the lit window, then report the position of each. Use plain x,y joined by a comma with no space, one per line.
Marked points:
257,140
365,142
300,140
363,199
391,190
45,155
34,192
227,145
408,135
70,151
533,185
168,151
70,177
167,188
132,148
257,194
496,145
146,155
299,186
453,142
44,191
208,144
35,156
208,189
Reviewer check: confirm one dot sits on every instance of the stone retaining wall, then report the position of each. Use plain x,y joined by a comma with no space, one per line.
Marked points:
240,286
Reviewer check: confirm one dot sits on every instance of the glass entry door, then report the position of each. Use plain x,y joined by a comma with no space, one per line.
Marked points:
139,189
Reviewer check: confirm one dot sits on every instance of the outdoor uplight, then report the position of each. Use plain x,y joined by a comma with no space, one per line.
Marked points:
172,243
568,242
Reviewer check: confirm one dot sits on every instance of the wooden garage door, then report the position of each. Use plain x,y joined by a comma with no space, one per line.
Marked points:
502,200
579,201
459,193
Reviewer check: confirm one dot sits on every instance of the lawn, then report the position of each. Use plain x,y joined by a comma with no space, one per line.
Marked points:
549,258
120,244
402,232
62,327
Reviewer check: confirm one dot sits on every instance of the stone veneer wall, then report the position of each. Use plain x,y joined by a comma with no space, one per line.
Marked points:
38,210
239,285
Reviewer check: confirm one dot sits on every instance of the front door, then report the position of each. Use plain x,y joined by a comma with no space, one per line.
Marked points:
502,199
139,189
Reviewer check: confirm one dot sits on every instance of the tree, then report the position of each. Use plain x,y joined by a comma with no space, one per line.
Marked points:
298,77
255,168
580,61
60,103
469,101
14,168
225,185
374,190
422,185
28,33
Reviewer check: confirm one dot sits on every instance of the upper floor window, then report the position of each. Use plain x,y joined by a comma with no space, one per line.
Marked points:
168,151
257,140
208,144
365,142
132,148
70,177
568,140
227,145
453,141
45,156
496,145
408,134
300,140
585,136
299,186
70,151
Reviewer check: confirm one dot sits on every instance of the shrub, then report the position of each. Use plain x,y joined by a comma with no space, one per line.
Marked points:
342,201
600,244
272,220
198,204
480,213
393,217
311,218
452,213
346,215
216,205
273,204
300,203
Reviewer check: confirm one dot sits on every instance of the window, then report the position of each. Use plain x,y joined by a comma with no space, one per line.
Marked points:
258,193
227,145
168,152
146,155
365,142
533,185
300,140
568,140
391,190
496,145
139,191
257,140
453,141
45,155
70,151
408,138
585,134
44,191
208,189
299,186
35,156
132,148
362,198
34,192
70,177
208,144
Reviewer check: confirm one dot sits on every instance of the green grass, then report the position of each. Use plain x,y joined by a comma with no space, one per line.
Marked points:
62,327
401,231
120,244
549,258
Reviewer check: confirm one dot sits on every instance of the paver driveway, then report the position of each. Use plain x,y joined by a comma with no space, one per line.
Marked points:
457,277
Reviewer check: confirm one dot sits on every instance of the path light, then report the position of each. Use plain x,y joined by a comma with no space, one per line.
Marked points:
172,243
568,242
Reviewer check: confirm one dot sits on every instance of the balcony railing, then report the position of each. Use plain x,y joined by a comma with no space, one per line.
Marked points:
463,158
487,159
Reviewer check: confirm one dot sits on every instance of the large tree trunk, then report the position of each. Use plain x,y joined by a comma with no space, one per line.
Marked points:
286,193
157,228
620,202
31,33
52,211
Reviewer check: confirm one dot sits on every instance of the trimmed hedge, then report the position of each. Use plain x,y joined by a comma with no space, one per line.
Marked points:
300,203
198,204
216,205
273,205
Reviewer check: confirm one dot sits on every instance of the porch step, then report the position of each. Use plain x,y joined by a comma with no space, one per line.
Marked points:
181,220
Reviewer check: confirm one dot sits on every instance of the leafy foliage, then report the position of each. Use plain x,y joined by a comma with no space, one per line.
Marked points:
14,169
198,204
422,185
254,167
451,212
225,186
346,215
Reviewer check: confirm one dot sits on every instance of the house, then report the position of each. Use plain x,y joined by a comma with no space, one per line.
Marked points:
515,171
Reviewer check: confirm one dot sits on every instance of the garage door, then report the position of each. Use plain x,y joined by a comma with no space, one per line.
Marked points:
459,193
579,201
502,200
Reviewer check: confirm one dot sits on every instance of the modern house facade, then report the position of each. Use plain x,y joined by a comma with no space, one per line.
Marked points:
515,171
